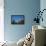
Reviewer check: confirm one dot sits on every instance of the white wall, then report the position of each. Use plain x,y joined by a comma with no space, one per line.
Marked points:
43,6
1,20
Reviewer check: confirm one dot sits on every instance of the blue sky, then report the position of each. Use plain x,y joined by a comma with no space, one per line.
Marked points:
17,17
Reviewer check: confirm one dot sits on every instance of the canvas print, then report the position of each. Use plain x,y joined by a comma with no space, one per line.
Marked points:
17,19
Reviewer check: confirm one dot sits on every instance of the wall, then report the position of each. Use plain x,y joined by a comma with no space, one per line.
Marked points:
1,21
43,6
19,7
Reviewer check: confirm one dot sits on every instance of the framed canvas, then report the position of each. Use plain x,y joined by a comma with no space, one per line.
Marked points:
17,19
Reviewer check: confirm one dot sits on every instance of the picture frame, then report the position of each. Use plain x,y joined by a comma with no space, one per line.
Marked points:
17,19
